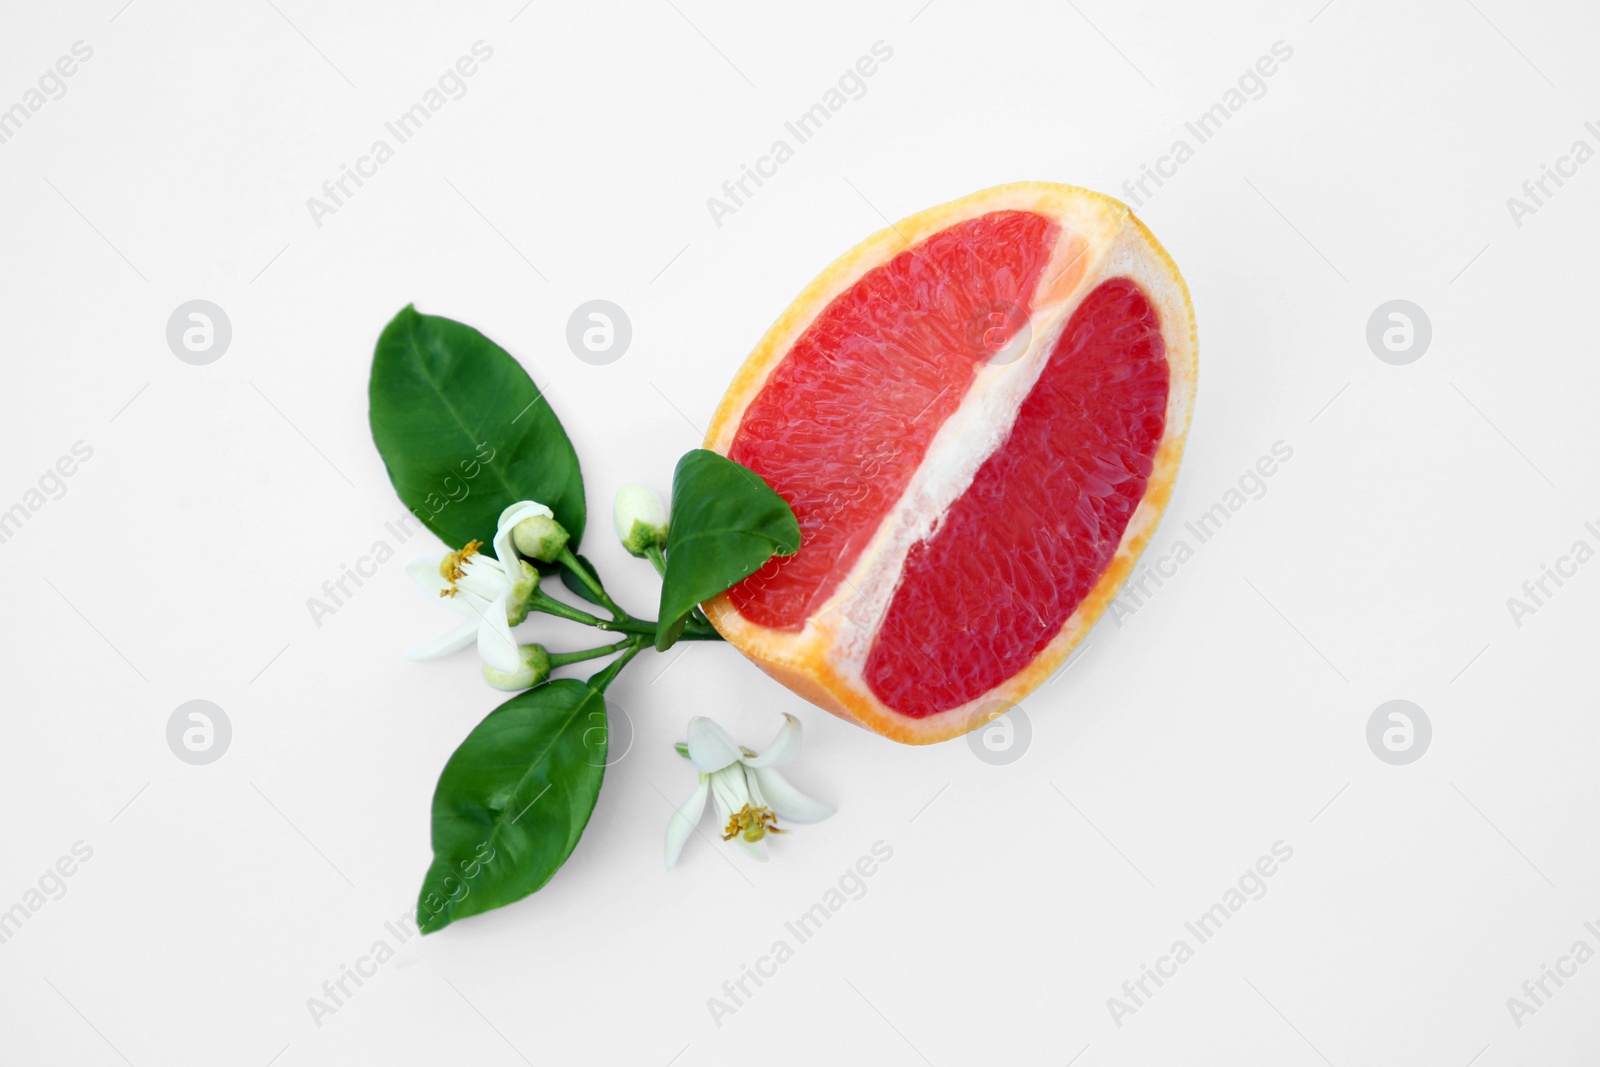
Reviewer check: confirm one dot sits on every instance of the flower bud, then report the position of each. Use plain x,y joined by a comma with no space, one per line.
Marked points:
540,537
640,519
535,669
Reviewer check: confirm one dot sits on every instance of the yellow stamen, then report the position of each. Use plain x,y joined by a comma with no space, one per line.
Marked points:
451,569
752,824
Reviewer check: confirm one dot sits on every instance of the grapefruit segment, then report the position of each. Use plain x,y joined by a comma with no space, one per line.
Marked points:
1020,549
977,416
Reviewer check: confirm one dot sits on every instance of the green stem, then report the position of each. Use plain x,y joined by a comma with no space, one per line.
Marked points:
548,604
599,681
590,582
561,659
696,630
657,560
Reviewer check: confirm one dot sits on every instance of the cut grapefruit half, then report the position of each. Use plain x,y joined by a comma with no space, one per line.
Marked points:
976,415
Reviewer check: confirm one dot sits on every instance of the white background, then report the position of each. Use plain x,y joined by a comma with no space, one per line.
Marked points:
1227,714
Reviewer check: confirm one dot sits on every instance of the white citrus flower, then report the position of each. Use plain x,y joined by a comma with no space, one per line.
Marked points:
491,593
746,789
640,519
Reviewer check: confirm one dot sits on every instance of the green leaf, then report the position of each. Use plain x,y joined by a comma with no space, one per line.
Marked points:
513,801
726,523
465,433
575,584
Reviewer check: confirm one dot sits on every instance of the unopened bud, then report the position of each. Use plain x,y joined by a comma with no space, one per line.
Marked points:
535,669
541,538
640,519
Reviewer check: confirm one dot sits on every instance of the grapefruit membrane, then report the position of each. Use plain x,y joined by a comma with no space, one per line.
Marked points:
976,415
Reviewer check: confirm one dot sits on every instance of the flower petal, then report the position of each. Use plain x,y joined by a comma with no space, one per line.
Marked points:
730,792
784,748
786,801
756,849
752,784
495,643
710,747
471,605
483,577
524,509
454,641
719,808
424,570
684,819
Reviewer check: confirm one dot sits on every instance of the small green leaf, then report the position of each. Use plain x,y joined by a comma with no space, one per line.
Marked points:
726,523
465,433
513,801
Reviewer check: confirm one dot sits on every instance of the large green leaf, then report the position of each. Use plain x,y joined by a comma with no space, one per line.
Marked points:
513,801
726,523
465,432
